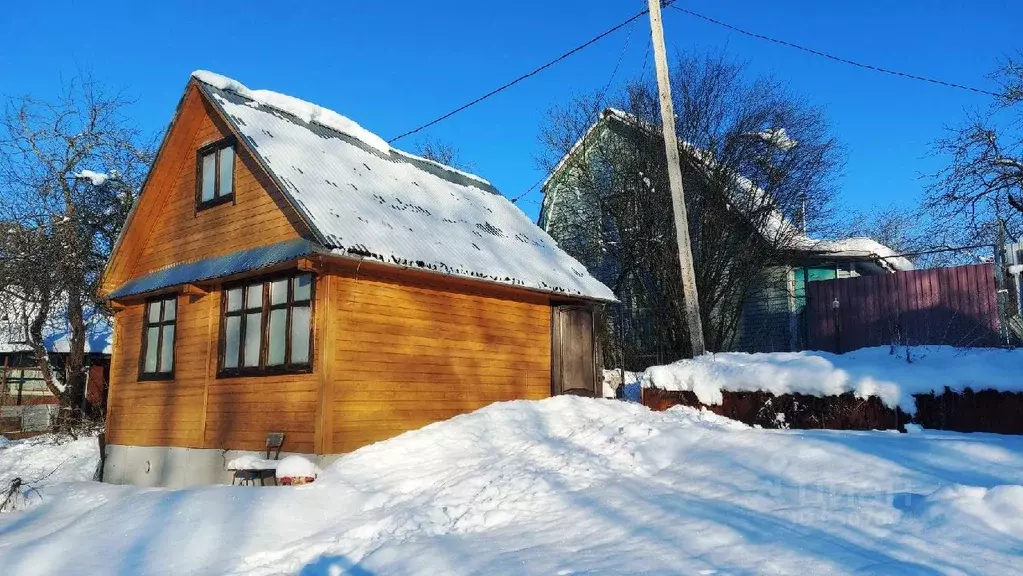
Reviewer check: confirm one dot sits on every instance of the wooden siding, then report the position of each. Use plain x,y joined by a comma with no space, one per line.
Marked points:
159,412
166,229
196,409
393,349
401,355
408,355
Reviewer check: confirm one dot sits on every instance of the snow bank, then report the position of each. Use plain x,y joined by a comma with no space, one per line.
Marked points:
999,508
865,372
48,459
562,486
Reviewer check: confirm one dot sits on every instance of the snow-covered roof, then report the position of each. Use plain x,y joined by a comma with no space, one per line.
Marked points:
15,314
366,199
777,224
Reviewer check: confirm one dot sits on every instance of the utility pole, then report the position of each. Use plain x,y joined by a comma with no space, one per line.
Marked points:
678,201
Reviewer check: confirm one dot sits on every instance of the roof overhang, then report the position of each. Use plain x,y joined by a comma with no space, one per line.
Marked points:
218,267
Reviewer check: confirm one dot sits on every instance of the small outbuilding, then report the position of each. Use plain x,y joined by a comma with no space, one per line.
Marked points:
286,271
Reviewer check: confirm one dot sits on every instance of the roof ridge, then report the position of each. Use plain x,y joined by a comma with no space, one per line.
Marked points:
324,117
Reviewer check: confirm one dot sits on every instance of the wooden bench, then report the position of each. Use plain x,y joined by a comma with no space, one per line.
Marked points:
247,469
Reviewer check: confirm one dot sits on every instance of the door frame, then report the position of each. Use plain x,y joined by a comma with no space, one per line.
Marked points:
557,386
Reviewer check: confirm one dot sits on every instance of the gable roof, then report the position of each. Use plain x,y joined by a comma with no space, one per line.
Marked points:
858,248
363,199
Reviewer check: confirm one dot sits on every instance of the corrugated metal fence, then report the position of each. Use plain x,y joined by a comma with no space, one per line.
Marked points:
956,306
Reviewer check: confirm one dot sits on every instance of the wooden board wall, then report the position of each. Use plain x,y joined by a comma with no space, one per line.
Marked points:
390,355
411,354
166,229
158,412
196,409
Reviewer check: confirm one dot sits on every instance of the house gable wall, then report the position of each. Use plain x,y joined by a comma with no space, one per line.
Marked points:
167,229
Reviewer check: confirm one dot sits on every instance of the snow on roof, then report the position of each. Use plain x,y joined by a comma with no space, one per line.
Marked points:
367,199
14,317
777,224
867,248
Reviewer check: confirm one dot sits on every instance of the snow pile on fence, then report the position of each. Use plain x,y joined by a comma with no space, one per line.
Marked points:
565,486
865,372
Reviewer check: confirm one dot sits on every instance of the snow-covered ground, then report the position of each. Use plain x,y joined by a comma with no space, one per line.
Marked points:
48,459
566,486
865,372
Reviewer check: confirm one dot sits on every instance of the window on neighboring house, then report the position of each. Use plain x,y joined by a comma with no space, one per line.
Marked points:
266,326
215,174
157,361
23,382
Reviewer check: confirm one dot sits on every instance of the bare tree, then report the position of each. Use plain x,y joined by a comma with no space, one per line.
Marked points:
70,170
755,159
983,182
443,153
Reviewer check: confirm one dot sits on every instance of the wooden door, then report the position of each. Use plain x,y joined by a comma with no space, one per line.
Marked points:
575,358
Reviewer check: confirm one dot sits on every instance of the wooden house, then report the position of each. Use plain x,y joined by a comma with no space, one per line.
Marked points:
284,270
772,315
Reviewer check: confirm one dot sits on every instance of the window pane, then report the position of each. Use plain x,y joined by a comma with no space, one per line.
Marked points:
303,287
167,351
300,335
154,312
231,333
209,170
276,332
152,342
252,333
226,171
234,299
254,296
279,291
169,309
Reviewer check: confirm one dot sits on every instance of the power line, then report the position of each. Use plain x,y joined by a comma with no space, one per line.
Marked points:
600,100
833,57
534,72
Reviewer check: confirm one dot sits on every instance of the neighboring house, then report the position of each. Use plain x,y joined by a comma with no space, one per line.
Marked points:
772,315
21,380
285,270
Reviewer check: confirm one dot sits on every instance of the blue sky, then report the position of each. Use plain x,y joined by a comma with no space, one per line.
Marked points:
394,65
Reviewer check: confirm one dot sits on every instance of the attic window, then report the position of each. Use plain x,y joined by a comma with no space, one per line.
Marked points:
215,174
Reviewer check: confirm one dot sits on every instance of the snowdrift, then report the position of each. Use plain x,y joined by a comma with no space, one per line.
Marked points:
564,486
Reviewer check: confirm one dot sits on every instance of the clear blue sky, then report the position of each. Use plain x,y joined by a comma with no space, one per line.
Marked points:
394,65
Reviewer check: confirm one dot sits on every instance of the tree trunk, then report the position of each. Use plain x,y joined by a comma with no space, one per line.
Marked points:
74,365
39,347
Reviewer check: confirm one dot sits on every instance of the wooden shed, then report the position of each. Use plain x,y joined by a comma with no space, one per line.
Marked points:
285,270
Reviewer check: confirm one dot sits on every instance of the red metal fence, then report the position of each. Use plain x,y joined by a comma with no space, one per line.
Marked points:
955,306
